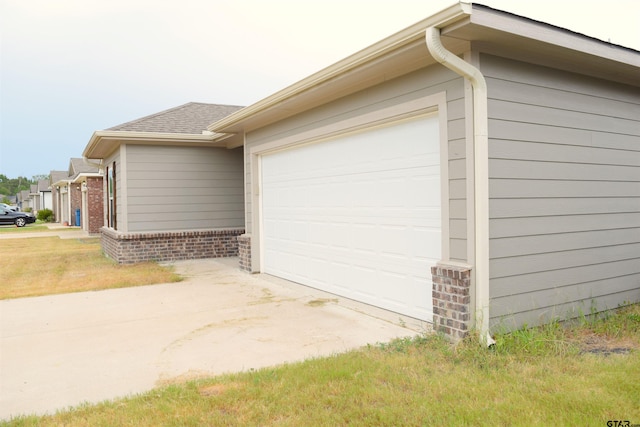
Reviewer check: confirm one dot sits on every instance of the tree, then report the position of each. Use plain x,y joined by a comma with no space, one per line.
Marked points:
12,186
37,178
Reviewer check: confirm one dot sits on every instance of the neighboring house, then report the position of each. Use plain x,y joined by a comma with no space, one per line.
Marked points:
34,198
24,200
170,191
80,196
11,200
407,184
44,197
55,177
62,185
87,195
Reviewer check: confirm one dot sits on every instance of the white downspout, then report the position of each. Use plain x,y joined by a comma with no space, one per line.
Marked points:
481,173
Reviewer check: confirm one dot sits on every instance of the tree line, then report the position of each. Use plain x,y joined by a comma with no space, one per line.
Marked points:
12,186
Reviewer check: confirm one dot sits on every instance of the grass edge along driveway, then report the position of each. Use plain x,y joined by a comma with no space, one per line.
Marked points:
585,373
50,265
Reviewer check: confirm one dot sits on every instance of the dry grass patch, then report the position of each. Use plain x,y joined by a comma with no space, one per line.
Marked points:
53,266
217,389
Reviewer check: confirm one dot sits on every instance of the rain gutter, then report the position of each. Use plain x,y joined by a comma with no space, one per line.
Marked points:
481,173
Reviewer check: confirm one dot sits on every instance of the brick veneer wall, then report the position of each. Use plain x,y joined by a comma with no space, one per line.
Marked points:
95,204
244,252
76,202
451,300
130,248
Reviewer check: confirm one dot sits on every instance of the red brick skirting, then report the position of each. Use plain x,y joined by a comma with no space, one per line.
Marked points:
451,300
130,248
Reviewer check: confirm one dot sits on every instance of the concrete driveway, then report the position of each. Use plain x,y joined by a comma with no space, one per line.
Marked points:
59,351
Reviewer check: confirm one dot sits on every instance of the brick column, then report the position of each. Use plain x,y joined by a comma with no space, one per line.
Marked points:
244,252
95,205
451,300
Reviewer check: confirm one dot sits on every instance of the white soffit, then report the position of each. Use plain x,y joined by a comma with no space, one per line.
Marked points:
501,33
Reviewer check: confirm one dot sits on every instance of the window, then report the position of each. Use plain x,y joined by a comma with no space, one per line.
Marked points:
111,194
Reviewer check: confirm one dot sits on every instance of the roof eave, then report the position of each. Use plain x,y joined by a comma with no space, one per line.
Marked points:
366,56
515,25
462,23
520,38
82,176
103,143
61,182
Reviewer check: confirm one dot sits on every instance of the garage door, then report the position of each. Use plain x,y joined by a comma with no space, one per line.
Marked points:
358,215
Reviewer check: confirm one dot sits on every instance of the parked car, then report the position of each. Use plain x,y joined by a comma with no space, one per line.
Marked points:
20,219
9,207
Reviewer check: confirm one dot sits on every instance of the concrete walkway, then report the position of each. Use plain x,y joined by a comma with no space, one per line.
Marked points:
59,351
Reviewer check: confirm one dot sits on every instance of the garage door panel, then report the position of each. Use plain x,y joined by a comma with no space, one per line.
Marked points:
358,216
353,168
426,244
390,239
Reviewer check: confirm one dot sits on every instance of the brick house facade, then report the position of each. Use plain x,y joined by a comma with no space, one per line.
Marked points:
95,205
75,195
188,205
78,190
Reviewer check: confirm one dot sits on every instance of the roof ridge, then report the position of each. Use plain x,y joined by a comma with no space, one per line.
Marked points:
148,117
209,103
189,118
169,110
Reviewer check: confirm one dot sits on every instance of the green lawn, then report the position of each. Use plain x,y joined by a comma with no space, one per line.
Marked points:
29,228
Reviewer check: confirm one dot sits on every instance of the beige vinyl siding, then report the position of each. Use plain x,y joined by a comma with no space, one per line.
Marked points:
183,188
564,167
421,83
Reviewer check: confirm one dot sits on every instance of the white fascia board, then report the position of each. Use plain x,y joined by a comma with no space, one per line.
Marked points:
554,35
83,176
61,183
116,137
152,136
402,38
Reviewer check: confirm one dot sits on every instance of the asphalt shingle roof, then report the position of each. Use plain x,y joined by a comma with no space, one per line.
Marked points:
59,176
190,118
43,185
78,166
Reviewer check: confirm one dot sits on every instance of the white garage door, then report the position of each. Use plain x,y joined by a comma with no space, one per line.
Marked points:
358,216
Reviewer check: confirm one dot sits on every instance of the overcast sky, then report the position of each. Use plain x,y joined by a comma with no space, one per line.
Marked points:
70,67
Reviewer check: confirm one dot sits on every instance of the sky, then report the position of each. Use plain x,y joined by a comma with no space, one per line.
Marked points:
71,67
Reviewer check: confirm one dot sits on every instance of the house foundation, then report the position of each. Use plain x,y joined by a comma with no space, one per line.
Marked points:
131,248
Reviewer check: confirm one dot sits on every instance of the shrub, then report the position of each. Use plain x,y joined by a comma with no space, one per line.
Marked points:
45,215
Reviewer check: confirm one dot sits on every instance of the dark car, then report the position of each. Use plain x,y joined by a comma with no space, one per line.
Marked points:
20,219
9,207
